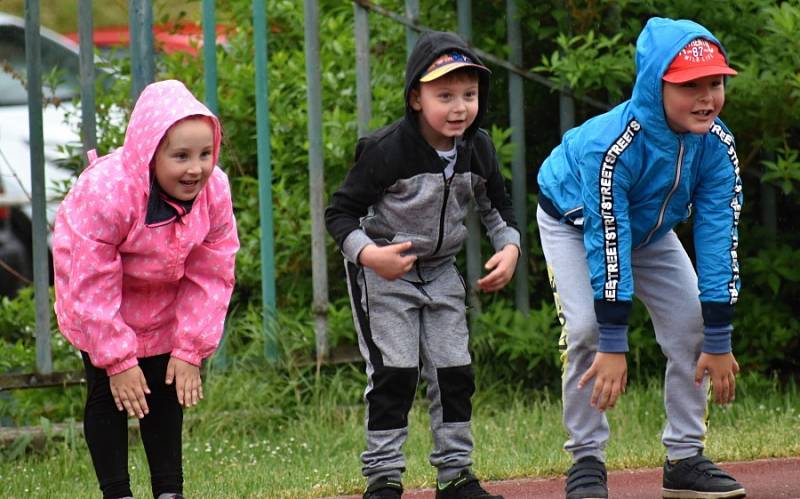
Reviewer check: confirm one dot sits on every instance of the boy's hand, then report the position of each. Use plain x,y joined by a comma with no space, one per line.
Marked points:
129,389
611,372
388,261
502,265
187,381
722,369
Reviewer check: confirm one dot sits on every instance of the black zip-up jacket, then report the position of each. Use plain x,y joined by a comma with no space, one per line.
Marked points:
397,190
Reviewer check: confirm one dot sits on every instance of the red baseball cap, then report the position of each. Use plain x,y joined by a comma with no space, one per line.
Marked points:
699,58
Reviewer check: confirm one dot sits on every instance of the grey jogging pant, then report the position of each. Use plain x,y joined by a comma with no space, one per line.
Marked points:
402,324
665,281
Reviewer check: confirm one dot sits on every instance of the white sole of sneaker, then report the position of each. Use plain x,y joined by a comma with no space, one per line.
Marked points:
693,494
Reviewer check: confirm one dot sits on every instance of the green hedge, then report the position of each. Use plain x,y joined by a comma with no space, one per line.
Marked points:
596,39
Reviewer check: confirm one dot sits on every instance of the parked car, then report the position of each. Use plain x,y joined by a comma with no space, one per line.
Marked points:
58,54
167,38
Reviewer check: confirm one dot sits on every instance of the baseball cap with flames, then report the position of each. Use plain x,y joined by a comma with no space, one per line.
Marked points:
447,62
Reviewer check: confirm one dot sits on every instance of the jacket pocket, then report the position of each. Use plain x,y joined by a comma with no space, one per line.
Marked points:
420,245
463,281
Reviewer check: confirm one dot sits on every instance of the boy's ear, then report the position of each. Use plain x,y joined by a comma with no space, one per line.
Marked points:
413,100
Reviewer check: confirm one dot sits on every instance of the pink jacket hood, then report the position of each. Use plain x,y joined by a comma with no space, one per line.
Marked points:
125,290
159,106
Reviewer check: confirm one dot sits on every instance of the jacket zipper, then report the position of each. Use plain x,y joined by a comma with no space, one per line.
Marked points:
444,207
663,210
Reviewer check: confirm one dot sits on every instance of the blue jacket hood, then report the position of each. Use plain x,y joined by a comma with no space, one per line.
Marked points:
657,45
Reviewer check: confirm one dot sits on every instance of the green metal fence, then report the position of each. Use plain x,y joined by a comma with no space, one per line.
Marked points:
142,69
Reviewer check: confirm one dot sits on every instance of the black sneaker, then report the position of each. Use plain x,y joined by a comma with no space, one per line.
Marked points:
464,486
698,478
384,488
587,479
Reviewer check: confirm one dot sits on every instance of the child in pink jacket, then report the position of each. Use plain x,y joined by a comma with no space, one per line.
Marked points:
143,248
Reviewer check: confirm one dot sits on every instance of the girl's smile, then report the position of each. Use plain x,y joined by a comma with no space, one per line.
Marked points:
185,158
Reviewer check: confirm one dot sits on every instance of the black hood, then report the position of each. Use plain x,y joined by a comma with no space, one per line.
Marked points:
430,45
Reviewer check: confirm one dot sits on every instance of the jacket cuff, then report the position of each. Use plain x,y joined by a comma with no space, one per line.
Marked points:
717,314
612,313
507,236
187,356
354,243
121,366
717,339
613,338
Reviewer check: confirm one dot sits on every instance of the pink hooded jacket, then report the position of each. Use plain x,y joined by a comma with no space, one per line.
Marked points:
124,289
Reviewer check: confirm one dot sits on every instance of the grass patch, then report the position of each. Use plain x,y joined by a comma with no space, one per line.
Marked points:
257,435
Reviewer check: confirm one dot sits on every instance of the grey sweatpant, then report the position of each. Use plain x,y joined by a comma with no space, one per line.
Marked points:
665,281
401,325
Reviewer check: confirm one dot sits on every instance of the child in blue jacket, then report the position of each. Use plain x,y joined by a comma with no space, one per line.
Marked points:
610,196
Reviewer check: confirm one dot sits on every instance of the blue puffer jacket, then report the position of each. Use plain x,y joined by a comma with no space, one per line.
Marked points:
628,179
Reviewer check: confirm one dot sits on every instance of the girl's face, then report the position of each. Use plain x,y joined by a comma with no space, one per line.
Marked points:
693,106
185,158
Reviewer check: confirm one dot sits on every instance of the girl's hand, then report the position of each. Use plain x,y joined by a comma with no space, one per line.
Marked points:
187,380
722,369
502,265
611,372
129,389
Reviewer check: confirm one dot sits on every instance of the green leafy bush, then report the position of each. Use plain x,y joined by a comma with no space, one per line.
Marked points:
18,355
586,45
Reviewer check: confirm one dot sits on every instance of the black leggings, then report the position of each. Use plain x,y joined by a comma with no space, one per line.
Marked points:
106,431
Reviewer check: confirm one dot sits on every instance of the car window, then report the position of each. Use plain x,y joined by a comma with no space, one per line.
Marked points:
54,55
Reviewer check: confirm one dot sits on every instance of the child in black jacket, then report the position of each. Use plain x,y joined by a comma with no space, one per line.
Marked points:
398,219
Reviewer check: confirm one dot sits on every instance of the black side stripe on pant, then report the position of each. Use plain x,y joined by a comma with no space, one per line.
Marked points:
456,385
375,357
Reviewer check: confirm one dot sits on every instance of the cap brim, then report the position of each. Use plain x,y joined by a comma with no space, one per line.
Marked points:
690,74
443,70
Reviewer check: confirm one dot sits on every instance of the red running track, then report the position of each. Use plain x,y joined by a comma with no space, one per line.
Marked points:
763,479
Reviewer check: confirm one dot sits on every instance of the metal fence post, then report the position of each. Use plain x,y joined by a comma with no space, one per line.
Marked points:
265,182
41,286
87,75
519,177
140,26
319,260
769,202
465,19
209,22
363,89
412,13
473,243
566,104
210,55
566,112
